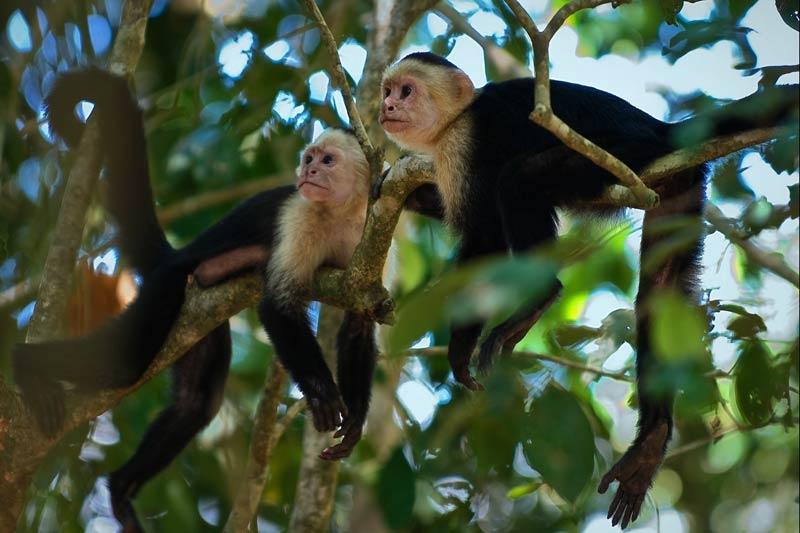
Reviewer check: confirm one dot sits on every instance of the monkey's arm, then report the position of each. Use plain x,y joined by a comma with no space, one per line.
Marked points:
356,353
294,342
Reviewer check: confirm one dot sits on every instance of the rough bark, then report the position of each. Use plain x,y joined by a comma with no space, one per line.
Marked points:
316,483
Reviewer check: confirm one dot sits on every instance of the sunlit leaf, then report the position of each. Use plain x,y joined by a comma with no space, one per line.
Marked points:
677,329
478,291
754,383
515,493
560,443
572,336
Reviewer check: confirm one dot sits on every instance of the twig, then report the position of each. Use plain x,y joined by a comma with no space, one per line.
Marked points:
543,115
772,262
375,159
203,201
438,351
505,63
262,443
21,292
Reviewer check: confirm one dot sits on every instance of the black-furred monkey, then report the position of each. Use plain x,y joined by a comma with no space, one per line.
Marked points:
299,227
501,178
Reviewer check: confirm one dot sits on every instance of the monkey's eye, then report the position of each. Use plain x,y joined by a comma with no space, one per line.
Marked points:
327,160
308,159
386,92
406,90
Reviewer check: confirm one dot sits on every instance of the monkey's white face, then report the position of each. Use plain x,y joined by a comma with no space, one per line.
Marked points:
331,174
408,114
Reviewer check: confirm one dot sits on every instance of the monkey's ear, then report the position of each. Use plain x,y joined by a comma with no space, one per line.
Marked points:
465,90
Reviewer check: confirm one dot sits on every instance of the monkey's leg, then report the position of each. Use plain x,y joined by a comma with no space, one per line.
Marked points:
227,265
638,466
356,353
197,391
526,203
294,342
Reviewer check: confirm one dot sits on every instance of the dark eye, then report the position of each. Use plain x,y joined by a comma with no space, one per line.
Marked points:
406,90
308,159
386,92
327,160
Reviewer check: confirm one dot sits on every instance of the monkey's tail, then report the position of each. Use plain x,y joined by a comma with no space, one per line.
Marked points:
129,198
773,106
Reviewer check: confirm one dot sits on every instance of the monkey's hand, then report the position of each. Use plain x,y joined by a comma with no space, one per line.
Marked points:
43,395
326,405
463,376
635,472
350,433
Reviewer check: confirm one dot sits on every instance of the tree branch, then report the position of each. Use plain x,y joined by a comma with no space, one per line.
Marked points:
439,351
770,261
543,115
374,158
262,443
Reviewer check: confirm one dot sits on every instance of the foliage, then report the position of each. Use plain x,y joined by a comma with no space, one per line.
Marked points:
230,99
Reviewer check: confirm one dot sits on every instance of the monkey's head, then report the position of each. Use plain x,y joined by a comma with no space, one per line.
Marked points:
333,171
422,94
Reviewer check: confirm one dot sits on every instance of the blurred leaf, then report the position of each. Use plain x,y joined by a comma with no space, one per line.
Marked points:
761,214
754,383
515,493
794,201
560,443
678,327
781,154
571,336
670,8
478,291
747,326
727,179
396,490
619,326
707,33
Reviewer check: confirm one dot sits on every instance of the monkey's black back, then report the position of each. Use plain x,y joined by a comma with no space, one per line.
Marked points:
503,130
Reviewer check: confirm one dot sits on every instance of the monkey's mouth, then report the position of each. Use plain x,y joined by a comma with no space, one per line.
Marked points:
309,182
393,124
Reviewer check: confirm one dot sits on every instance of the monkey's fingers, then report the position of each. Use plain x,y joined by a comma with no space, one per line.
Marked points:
468,381
351,436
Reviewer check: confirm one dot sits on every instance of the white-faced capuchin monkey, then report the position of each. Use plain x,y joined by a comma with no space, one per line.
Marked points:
300,227
501,178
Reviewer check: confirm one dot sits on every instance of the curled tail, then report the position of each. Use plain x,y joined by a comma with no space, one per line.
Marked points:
130,198
773,106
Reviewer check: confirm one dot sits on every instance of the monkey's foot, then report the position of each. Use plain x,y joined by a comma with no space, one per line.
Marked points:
466,379
326,406
350,432
635,472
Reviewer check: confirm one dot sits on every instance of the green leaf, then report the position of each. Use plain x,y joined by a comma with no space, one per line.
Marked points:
677,329
397,490
478,291
560,443
571,336
747,326
754,383
515,493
